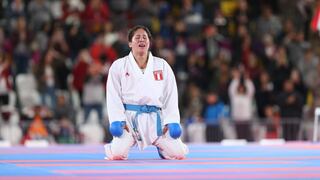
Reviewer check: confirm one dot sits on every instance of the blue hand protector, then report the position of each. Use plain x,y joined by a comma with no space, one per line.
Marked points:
174,130
116,128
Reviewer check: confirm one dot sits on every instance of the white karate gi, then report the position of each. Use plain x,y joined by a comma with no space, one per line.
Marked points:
156,86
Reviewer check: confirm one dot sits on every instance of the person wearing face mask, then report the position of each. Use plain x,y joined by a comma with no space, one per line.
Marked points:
142,102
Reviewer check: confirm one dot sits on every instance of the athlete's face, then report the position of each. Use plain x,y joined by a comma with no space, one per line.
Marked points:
140,41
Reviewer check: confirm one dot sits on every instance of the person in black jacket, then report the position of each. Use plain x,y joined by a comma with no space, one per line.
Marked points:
290,102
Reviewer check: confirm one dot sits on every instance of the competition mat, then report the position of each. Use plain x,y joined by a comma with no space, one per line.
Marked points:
295,160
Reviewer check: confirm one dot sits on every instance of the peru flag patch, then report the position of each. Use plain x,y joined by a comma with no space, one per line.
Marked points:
158,76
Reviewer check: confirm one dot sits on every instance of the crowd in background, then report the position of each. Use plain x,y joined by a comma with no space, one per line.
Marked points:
250,63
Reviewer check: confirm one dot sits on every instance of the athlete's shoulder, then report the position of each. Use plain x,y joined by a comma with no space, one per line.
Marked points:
160,61
118,63
120,60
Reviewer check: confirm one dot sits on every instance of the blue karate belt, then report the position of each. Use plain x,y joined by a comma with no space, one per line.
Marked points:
144,109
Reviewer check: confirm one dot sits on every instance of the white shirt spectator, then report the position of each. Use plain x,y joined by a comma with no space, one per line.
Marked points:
241,103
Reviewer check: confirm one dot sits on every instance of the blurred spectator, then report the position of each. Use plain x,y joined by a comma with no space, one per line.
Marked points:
221,21
163,50
281,68
94,94
119,6
96,13
290,102
2,12
264,94
246,51
223,82
65,116
241,92
181,51
46,79
197,70
58,41
6,86
61,71
195,131
192,15
5,42
212,42
273,128
66,133
268,22
296,47
213,112
219,78
287,31
41,38
241,14
299,85
237,44
121,45
307,66
166,19
10,129
71,11
158,46
21,52
37,129
28,95
110,35
313,101
56,9
143,13
20,31
253,67
303,19
80,71
64,109
315,87
269,50
192,101
76,38
193,105
15,10
39,13
101,52
208,7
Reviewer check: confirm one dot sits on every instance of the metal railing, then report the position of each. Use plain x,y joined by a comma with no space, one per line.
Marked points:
289,129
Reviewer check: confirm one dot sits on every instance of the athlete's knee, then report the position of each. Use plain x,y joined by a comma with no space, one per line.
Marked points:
112,154
119,148
116,153
176,152
172,149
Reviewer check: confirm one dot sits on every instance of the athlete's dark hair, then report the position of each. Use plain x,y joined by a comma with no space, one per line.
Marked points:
135,28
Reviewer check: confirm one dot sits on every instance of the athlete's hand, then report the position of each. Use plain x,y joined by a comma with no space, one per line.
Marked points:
116,128
174,130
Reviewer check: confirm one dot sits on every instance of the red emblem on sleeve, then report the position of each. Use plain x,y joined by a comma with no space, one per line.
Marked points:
158,76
